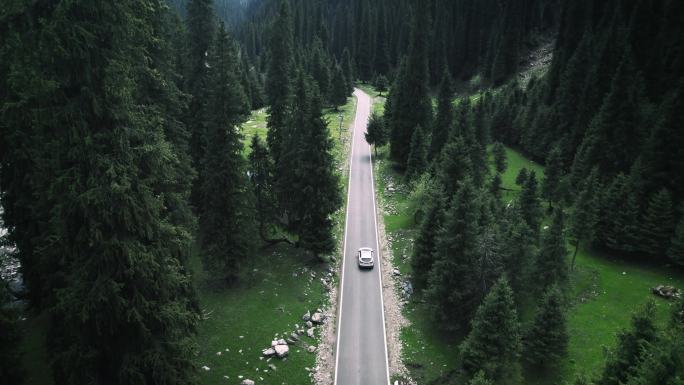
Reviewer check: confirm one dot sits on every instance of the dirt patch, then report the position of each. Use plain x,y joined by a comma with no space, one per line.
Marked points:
536,61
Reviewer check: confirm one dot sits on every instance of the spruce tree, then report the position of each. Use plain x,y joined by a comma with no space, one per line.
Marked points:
348,67
424,247
657,226
124,314
530,206
584,217
553,173
417,160
376,132
495,187
444,118
480,379
546,342
619,215
453,291
676,250
623,360
260,169
454,167
10,337
521,178
518,256
224,219
551,267
500,161
494,343
338,88
278,83
381,84
321,68
364,53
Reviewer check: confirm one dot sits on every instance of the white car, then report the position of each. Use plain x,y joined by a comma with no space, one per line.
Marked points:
366,259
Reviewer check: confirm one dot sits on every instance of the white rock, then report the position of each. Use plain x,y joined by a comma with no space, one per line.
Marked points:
268,352
309,324
317,318
282,350
247,381
310,332
282,342
306,316
311,349
206,368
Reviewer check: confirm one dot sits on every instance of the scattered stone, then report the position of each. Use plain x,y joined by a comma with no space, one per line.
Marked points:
282,342
306,316
309,324
274,343
396,272
666,291
294,336
317,318
290,341
268,352
311,349
300,331
282,350
407,288
247,381
319,311
310,332
273,367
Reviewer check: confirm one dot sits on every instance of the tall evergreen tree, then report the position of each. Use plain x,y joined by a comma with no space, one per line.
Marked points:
494,343
443,122
424,248
260,169
521,178
412,106
455,165
348,67
546,343
417,160
657,226
278,82
453,287
224,215
630,348
338,88
676,250
551,267
499,153
376,132
10,337
530,207
553,173
584,216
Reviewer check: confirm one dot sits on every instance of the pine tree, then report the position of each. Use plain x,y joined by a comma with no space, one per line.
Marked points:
676,250
546,343
584,218
661,361
495,187
553,173
500,161
124,313
365,57
657,226
551,267
376,132
321,68
338,88
382,56
260,169
494,343
224,219
518,256
619,214
10,359
480,379
454,167
412,106
444,119
278,83
530,207
630,348
381,84
521,178
348,67
424,247
417,160
453,291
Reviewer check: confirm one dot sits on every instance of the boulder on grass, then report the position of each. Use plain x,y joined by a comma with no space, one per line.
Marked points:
666,291
282,350
317,318
306,316
247,381
268,352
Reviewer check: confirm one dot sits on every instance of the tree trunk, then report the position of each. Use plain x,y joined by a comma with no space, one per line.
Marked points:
574,255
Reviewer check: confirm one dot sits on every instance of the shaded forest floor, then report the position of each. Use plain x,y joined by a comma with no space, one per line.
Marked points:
605,290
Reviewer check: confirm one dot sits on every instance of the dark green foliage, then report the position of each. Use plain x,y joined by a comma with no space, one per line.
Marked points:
443,122
455,165
546,342
499,153
618,226
662,362
676,250
278,82
494,343
348,67
623,361
376,131
381,84
365,58
495,187
553,173
10,359
311,173
518,253
260,168
321,68
584,217
454,290
411,103
338,88
551,266
480,379
530,205
657,225
224,215
417,160
425,245
521,178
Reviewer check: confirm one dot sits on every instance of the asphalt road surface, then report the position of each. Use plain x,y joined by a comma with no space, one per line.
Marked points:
361,357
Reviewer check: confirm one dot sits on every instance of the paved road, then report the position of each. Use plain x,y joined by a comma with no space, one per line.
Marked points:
361,349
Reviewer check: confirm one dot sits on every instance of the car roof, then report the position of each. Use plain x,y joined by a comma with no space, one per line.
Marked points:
365,249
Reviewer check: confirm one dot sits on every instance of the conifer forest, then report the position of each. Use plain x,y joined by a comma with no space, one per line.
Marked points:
184,185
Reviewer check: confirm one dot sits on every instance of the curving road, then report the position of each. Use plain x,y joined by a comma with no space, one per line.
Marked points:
361,357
